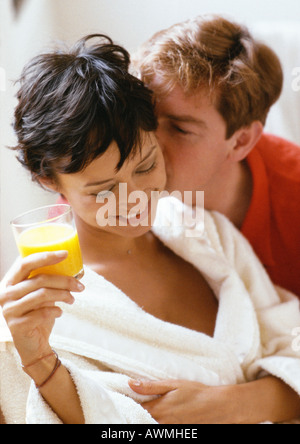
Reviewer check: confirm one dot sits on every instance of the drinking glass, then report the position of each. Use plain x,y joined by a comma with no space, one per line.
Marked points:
50,228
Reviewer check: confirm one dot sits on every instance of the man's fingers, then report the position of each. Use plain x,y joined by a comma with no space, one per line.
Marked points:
147,387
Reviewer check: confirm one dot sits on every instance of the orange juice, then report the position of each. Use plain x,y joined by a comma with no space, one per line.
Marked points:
53,237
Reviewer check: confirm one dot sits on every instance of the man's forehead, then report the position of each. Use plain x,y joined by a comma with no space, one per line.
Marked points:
186,100
185,108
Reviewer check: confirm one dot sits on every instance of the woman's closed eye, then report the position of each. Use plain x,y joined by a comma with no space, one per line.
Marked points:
147,170
103,193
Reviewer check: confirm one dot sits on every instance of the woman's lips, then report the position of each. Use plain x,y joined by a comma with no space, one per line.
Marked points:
137,217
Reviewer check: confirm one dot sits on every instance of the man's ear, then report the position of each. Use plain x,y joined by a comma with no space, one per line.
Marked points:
244,140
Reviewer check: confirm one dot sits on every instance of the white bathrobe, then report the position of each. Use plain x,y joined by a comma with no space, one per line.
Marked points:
105,338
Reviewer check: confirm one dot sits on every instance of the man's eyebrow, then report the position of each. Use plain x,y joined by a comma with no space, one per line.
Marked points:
186,118
93,184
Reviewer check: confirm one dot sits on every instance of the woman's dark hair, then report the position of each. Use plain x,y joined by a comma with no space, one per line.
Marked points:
73,104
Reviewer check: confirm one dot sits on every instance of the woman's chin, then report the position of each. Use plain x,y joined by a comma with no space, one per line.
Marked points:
135,224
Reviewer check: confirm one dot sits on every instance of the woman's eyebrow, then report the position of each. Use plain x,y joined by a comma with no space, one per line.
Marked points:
148,155
93,184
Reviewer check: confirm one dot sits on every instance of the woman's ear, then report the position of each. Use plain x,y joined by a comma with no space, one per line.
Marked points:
48,184
244,140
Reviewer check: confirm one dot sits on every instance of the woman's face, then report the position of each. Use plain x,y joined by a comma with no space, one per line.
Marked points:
119,202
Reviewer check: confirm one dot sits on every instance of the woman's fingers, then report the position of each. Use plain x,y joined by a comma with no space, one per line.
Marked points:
27,286
29,303
37,292
41,298
22,268
40,291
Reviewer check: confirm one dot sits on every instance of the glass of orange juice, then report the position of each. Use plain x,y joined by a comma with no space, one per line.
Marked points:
50,228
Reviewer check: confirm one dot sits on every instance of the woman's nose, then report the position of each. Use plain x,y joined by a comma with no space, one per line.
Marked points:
132,192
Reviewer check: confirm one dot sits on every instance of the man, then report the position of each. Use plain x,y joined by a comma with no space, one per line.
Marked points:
214,86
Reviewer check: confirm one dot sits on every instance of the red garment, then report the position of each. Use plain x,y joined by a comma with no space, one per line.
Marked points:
272,224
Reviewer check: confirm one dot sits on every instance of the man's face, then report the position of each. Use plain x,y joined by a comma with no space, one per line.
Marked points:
192,135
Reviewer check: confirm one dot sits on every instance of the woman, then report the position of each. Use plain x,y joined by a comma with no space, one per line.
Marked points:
197,315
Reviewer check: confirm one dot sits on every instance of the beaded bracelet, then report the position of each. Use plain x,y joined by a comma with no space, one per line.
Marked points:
56,367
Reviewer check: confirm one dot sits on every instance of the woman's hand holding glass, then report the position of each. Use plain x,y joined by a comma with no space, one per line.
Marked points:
29,304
